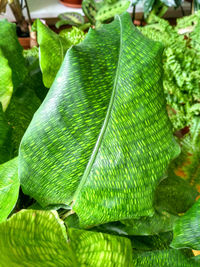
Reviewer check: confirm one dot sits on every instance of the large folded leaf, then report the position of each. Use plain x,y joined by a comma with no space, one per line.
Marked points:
12,50
187,229
101,139
38,238
52,51
6,86
163,258
9,187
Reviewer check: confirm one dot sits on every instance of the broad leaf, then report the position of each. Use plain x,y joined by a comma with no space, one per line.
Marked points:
52,51
9,187
101,140
98,249
35,238
163,258
12,51
6,86
187,228
39,238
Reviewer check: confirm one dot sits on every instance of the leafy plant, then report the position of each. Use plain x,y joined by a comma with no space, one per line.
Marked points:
181,66
99,156
156,7
97,12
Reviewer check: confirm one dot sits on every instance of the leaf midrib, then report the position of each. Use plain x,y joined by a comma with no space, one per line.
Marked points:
104,127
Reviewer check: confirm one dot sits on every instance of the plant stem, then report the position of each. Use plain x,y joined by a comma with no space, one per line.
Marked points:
17,12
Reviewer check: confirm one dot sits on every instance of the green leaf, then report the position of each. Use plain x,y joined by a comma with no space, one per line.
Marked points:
98,249
52,51
187,228
108,11
6,86
9,187
5,141
34,72
12,52
174,195
39,238
101,141
163,258
159,222
35,238
70,18
19,113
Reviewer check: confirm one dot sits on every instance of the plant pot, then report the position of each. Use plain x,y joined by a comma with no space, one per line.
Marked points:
24,42
71,3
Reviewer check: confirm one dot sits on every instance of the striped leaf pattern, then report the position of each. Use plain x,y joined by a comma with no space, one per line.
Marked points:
101,141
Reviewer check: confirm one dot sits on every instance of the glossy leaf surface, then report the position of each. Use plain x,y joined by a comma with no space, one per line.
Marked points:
9,187
101,139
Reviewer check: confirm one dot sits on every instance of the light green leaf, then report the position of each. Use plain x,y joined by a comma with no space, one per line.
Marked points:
9,187
52,51
98,249
101,141
163,258
6,86
39,238
34,238
12,51
187,229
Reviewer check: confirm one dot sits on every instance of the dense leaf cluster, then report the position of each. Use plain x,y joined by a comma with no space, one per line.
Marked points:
98,162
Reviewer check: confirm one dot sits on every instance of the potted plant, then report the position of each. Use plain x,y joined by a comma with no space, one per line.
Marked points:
72,3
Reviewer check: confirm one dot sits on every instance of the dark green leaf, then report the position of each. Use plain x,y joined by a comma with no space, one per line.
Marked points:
163,258
20,112
101,141
174,195
9,187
